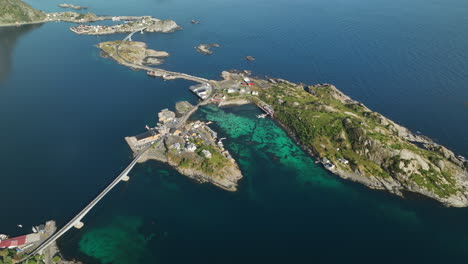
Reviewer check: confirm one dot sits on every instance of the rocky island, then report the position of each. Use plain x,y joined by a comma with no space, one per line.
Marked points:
355,142
206,48
192,148
71,6
132,52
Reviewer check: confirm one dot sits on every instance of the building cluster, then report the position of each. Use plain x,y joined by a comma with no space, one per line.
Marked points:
327,164
24,242
195,133
125,27
93,29
201,90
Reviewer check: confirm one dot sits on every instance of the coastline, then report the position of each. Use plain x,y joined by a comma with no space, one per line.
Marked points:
389,184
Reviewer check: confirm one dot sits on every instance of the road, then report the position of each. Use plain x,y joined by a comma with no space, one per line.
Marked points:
160,72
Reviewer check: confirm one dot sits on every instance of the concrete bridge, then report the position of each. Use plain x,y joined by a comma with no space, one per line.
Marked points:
76,221
167,75
129,36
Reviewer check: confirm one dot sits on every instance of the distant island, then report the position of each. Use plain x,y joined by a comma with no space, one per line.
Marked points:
16,13
75,7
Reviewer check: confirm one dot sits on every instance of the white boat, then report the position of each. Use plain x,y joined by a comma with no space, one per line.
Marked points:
261,116
34,229
3,237
21,226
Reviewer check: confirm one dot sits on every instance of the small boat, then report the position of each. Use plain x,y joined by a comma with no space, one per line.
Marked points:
460,157
20,226
3,237
261,116
34,229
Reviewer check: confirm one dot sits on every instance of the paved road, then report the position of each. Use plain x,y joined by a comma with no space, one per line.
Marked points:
129,36
161,72
83,212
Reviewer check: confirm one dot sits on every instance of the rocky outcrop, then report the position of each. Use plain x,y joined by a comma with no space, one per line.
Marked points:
206,48
164,26
133,52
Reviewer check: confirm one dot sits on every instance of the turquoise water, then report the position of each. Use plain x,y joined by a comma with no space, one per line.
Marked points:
64,112
287,209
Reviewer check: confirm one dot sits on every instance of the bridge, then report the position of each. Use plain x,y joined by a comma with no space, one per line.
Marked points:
168,75
129,36
76,221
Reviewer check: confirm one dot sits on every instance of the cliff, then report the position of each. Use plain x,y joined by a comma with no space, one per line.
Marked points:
13,11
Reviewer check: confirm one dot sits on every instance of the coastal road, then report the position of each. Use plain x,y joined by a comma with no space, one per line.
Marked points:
79,216
160,72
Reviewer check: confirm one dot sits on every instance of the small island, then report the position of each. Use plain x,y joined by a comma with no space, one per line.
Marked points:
206,48
71,6
132,52
192,148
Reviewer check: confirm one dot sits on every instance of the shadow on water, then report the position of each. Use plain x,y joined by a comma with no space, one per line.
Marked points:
8,39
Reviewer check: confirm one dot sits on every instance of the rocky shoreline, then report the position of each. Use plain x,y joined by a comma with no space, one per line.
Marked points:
410,160
192,148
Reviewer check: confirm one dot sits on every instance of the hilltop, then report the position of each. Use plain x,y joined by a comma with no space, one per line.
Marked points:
12,11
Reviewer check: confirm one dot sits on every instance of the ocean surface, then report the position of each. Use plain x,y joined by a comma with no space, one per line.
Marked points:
64,112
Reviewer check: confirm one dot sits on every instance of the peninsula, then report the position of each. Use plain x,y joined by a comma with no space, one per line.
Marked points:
354,142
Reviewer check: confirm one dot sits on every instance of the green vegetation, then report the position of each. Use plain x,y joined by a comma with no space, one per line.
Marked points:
197,161
337,128
7,256
56,259
12,11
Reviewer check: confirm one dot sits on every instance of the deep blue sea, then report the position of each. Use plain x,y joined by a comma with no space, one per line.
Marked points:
64,112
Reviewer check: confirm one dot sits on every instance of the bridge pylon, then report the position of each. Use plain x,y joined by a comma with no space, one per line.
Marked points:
78,225
125,178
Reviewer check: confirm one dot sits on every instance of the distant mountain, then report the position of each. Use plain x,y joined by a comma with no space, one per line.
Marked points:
12,11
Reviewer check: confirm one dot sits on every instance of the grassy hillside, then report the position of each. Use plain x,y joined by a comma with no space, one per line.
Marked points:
12,11
337,128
